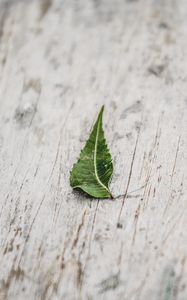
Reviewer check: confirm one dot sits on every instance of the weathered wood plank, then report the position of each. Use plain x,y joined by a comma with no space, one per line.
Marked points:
59,62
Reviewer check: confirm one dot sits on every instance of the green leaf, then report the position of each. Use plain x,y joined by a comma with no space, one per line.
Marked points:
93,171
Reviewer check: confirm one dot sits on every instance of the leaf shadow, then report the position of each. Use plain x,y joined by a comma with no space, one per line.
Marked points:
81,195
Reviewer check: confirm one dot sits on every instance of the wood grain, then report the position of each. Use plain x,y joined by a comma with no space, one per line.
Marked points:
59,62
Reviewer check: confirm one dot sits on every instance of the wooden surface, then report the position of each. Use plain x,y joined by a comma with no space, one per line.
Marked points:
59,62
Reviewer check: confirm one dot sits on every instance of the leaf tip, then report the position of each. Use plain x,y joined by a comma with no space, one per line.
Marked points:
100,116
102,109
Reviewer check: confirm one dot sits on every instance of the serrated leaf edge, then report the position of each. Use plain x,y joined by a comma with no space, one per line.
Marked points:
95,152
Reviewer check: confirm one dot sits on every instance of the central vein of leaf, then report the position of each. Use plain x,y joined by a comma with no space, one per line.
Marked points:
95,156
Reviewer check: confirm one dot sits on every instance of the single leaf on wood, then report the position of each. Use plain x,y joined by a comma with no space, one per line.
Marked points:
93,171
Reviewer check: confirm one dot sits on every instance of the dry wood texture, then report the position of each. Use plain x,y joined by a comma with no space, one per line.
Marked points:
59,62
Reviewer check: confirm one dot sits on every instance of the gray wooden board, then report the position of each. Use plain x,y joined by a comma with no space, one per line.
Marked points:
59,62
